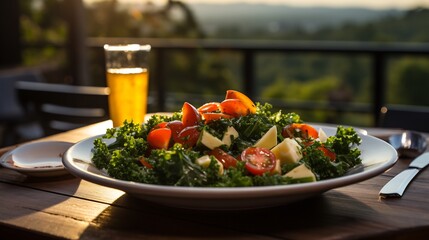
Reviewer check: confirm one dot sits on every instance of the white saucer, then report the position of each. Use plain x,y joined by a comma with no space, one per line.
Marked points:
40,159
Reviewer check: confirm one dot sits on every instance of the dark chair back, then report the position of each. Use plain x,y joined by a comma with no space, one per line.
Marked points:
405,117
16,124
10,108
63,107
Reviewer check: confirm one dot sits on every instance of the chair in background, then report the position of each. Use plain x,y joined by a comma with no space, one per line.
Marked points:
64,107
16,124
405,117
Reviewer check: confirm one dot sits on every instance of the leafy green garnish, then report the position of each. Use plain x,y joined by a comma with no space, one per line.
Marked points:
176,167
344,144
129,156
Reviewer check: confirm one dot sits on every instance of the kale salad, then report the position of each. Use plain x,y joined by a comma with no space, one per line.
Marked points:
232,143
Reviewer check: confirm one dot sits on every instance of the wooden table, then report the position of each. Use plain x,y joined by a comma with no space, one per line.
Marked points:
70,208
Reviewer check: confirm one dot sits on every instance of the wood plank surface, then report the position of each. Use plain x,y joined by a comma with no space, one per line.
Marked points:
69,208
57,215
347,212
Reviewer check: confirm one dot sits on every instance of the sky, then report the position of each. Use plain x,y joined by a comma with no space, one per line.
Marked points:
374,4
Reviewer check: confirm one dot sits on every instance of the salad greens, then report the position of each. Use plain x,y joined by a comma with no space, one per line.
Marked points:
131,157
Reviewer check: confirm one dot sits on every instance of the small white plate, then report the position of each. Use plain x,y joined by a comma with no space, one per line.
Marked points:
39,159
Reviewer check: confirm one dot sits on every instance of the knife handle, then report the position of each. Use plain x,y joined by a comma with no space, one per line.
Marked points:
397,185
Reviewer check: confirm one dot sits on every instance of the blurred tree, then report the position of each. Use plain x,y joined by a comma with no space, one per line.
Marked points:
107,19
43,21
409,81
410,27
190,71
174,19
317,90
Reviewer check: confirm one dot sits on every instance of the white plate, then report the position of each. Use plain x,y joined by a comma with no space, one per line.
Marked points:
377,156
39,159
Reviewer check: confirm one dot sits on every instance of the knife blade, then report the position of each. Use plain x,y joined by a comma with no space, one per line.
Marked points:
397,185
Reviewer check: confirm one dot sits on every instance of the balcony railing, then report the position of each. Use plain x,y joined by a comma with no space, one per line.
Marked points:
379,53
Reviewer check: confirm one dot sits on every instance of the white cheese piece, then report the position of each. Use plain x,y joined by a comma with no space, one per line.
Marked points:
229,135
322,136
288,151
277,168
210,141
204,161
301,172
269,140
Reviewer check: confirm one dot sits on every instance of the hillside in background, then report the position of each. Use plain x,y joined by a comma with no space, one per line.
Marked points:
215,19
409,27
257,21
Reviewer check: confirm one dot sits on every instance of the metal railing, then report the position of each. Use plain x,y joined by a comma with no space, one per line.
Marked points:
379,53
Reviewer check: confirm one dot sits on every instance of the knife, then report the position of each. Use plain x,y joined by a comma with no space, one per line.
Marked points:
397,185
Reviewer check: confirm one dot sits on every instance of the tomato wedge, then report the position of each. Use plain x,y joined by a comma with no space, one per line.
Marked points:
326,151
249,104
234,107
301,130
159,138
190,116
330,154
223,157
188,137
258,160
176,127
212,116
208,107
159,125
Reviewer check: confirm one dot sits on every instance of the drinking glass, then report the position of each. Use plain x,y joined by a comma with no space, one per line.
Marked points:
128,79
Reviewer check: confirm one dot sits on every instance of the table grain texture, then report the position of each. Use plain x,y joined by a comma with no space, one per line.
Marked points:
70,208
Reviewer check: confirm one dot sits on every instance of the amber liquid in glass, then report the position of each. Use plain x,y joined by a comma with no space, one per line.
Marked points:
128,94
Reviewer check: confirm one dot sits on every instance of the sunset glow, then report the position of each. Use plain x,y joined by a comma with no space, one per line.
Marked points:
381,4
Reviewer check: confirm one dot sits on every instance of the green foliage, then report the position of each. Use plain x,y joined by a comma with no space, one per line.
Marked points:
407,27
43,22
108,19
407,80
317,89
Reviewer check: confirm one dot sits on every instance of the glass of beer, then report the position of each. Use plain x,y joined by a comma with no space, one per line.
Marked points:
128,80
